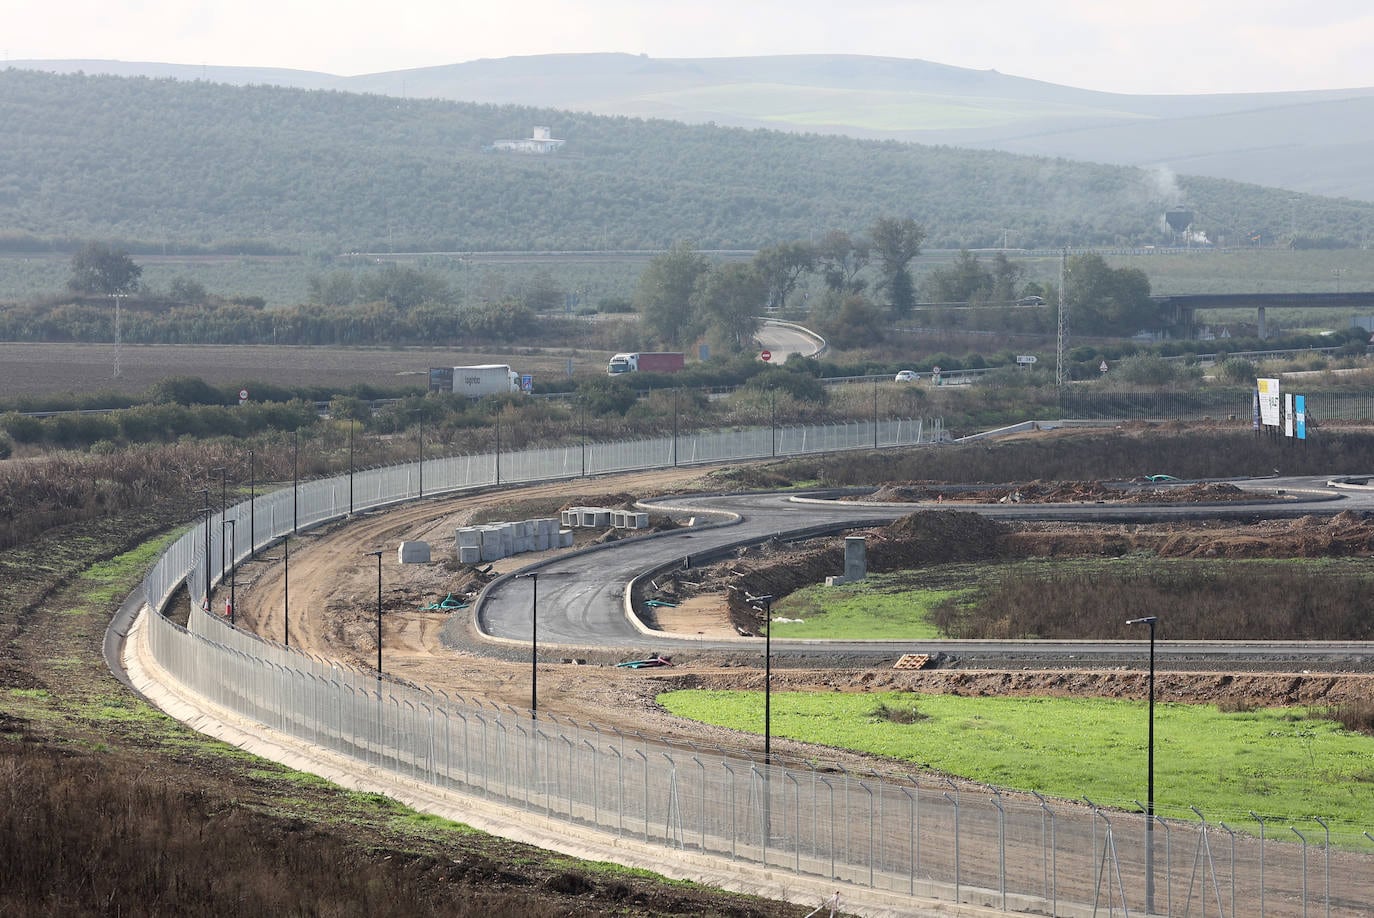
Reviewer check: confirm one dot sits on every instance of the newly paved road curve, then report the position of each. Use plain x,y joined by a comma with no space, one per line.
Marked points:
581,596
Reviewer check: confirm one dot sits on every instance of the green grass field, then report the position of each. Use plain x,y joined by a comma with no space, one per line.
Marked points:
875,608
1278,762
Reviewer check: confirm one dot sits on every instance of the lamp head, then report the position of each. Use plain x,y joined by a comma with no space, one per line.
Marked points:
1147,620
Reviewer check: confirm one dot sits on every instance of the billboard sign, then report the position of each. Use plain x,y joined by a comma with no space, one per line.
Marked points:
1300,415
1269,402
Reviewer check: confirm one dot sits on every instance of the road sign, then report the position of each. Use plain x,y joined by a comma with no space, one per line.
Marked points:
526,383
1102,366
765,356
243,395
935,370
1025,358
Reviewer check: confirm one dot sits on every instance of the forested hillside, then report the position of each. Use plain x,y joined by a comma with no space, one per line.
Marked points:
160,163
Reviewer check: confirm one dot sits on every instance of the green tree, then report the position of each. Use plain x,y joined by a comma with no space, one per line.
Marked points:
404,288
187,290
1006,278
781,267
961,282
848,320
334,289
664,294
1109,301
541,293
896,243
728,300
98,268
840,259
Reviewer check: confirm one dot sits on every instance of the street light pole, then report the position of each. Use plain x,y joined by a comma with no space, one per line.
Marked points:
295,478
420,440
252,504
767,675
209,515
1150,620
351,423
233,565
223,509
378,556
534,642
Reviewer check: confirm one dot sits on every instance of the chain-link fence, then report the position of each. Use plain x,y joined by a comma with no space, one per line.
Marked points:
885,831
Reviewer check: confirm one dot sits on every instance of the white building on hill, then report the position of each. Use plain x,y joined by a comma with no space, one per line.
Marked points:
542,142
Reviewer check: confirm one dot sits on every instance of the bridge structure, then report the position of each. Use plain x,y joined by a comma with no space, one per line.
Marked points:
1181,309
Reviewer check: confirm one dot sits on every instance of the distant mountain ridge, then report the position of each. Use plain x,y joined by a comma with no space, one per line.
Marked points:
1317,142
195,165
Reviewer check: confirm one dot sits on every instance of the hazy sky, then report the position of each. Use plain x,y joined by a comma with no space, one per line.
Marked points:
1138,47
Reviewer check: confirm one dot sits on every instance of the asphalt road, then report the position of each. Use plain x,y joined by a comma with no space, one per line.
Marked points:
781,340
581,596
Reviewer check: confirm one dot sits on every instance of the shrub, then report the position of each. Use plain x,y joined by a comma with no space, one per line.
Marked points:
1356,715
1237,370
1236,706
899,714
1146,370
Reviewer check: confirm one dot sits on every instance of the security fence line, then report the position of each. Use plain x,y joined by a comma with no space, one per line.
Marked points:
888,832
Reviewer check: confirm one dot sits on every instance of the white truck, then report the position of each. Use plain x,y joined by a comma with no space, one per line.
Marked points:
475,381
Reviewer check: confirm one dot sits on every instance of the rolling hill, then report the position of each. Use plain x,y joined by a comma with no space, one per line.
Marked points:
185,164
1314,142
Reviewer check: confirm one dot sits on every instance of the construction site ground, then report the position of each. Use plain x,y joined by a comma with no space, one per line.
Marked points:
333,589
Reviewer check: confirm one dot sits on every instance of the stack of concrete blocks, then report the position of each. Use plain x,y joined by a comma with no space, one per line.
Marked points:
413,553
494,541
855,562
604,518
629,519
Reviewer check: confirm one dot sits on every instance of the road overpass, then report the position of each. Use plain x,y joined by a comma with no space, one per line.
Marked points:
1181,309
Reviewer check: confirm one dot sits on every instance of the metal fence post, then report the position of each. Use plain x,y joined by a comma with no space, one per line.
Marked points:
1304,868
1049,858
1260,819
957,877
1321,822
733,811
1001,846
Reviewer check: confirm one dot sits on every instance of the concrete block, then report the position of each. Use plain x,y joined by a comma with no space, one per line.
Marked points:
565,538
586,516
541,541
638,520
469,536
835,581
855,559
413,553
601,517
549,527
469,554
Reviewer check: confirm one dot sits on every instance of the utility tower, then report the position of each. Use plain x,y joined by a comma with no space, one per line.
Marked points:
1060,374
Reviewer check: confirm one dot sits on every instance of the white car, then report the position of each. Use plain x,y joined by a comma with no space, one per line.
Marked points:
907,376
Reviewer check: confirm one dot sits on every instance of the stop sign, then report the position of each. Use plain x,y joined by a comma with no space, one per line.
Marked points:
765,356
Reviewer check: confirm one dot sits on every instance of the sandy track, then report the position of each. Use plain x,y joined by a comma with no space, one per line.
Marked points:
333,590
